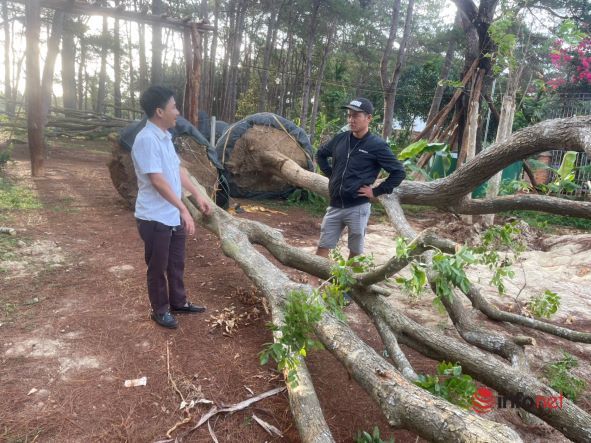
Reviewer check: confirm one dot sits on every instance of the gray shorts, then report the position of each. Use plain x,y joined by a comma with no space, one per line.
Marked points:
335,220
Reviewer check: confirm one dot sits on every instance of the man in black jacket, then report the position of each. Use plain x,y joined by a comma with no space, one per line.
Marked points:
357,158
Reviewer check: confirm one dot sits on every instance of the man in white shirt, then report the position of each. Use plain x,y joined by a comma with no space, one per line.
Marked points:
163,220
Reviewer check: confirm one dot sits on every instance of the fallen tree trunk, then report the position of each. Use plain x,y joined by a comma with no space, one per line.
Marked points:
507,380
447,193
235,244
404,404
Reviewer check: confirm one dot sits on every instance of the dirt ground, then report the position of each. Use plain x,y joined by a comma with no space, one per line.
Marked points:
74,325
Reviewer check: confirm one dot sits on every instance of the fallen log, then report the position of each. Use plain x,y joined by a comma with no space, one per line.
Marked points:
404,404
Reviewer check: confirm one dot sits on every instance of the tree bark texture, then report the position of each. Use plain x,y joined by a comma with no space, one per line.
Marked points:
403,403
476,21
444,75
101,94
68,56
504,130
568,134
235,45
269,40
57,26
307,87
82,76
156,71
318,86
35,123
117,64
7,60
212,97
392,85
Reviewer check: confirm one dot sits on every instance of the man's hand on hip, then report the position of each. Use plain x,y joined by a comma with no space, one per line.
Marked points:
366,191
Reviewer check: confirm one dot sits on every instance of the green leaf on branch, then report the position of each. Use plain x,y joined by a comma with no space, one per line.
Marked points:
560,378
449,383
403,248
421,147
416,283
302,310
544,305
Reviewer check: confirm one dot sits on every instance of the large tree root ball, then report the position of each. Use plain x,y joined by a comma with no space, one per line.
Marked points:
265,132
193,157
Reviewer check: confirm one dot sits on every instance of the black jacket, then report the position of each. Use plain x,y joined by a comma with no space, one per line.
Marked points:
355,163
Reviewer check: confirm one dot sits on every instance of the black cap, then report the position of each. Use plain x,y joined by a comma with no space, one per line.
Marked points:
360,104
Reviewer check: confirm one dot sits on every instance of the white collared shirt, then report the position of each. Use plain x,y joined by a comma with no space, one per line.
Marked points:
153,152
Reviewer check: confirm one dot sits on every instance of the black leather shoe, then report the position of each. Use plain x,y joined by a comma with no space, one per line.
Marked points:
167,320
189,308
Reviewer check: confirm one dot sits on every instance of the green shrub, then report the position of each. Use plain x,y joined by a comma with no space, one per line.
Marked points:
544,305
449,383
560,379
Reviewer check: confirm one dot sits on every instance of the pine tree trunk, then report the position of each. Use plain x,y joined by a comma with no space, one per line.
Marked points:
318,86
390,92
203,92
193,51
82,76
443,76
35,124
53,44
7,66
157,75
232,84
308,69
131,70
269,40
212,96
275,85
142,57
285,66
102,82
69,66
117,68
223,86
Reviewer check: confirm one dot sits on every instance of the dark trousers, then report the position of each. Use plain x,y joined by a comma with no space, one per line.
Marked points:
165,257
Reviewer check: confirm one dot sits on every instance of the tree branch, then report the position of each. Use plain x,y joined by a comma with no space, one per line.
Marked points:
543,203
571,420
394,351
566,134
483,305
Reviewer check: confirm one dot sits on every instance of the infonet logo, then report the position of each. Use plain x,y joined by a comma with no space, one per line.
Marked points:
484,400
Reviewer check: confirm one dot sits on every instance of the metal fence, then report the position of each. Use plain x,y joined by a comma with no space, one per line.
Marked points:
571,105
582,177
